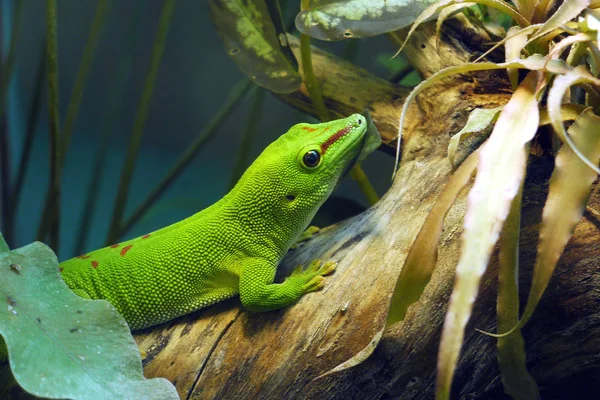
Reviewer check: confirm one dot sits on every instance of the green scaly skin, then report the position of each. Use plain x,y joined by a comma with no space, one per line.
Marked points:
234,246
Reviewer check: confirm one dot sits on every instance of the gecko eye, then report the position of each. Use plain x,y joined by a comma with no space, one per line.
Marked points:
311,158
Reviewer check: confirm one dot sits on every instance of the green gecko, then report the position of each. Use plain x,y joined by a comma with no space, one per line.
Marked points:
234,246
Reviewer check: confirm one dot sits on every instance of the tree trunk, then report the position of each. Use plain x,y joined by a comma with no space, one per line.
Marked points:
227,352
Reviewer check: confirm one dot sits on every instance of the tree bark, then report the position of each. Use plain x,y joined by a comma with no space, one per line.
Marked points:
227,352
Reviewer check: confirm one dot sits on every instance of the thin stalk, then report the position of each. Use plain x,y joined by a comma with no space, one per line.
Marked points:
109,123
236,95
5,77
358,174
316,96
253,119
138,126
8,65
32,124
84,67
53,121
310,80
4,176
76,95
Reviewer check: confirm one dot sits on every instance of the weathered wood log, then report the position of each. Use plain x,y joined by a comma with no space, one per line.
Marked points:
227,352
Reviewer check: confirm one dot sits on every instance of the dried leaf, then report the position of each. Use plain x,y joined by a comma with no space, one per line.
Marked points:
430,11
422,258
568,112
253,44
567,197
515,43
358,358
526,8
534,63
338,20
513,32
500,172
479,119
517,381
558,48
561,84
565,12
447,12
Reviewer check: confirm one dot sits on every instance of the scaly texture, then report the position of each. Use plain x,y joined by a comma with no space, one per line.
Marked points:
234,246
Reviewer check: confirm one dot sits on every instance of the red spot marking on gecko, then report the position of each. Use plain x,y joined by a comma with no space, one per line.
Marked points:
94,264
125,249
146,236
334,138
308,128
83,256
114,246
60,269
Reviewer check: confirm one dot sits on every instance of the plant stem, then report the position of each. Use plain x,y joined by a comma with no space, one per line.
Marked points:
53,122
138,126
237,94
5,78
108,127
75,100
310,79
84,67
32,124
316,96
8,65
253,119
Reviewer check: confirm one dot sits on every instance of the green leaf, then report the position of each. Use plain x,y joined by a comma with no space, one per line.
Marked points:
253,44
337,20
517,381
500,172
64,346
479,119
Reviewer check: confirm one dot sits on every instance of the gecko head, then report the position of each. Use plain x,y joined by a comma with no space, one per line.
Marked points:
298,171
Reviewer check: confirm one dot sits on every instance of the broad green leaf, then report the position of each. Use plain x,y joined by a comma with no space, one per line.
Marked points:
430,11
500,171
568,195
517,381
337,20
565,12
479,119
253,44
561,84
61,345
535,63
